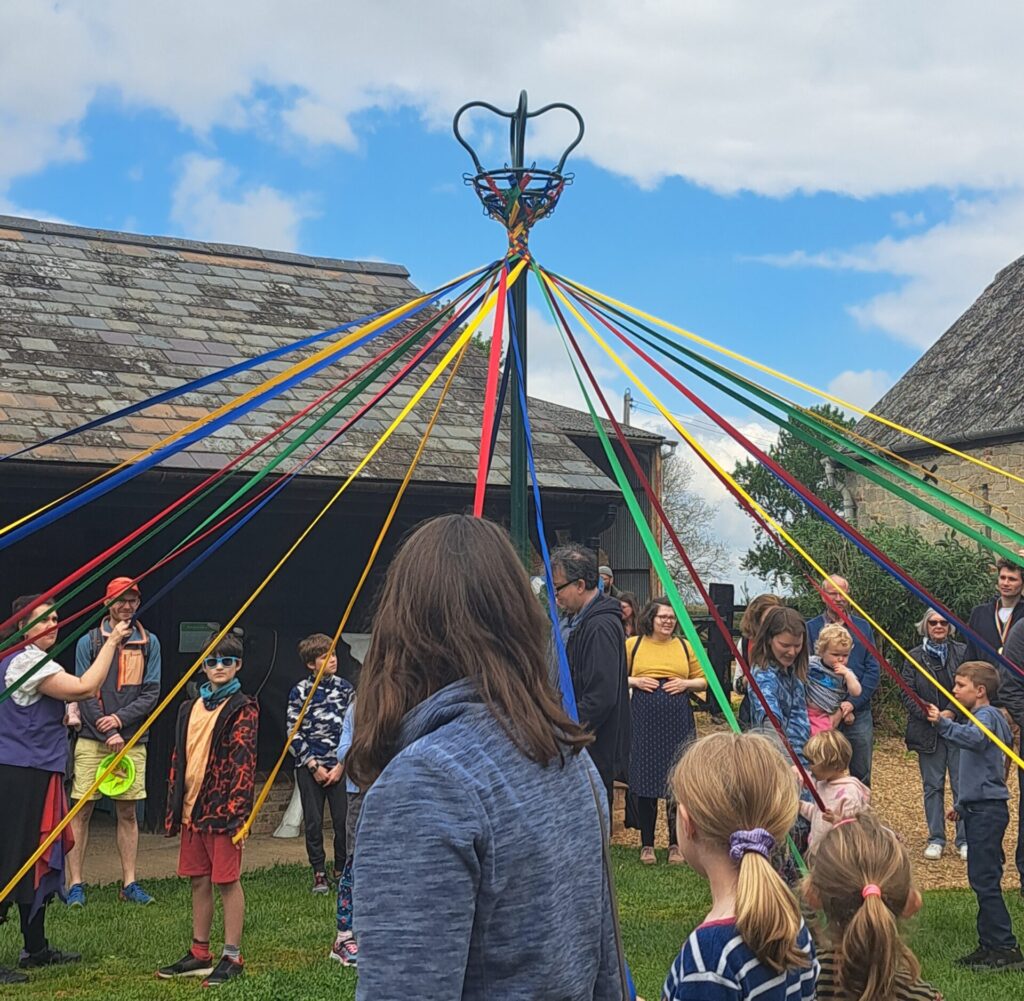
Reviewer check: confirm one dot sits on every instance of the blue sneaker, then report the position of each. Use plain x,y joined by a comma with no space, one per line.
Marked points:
76,896
134,894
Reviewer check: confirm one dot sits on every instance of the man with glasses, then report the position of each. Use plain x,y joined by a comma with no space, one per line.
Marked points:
595,644
126,699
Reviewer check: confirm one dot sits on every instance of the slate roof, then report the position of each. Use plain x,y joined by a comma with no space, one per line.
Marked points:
92,320
966,388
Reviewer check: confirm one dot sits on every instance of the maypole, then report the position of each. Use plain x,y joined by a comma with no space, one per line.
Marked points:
518,196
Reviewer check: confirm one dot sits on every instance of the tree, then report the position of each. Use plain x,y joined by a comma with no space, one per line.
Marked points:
692,518
804,462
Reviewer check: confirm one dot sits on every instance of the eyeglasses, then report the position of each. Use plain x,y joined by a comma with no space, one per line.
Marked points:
211,662
664,618
558,587
130,599
937,622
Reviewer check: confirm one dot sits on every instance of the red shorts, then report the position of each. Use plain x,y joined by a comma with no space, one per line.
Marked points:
212,855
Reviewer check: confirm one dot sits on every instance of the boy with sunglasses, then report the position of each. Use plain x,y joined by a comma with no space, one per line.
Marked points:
210,795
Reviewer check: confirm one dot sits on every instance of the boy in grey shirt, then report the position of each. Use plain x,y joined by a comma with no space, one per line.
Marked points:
982,805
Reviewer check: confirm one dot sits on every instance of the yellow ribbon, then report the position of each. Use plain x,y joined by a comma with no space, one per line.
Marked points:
269,783
839,401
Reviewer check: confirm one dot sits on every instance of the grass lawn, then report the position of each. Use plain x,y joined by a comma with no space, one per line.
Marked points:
288,933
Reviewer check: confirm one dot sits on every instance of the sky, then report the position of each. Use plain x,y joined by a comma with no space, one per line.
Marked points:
823,186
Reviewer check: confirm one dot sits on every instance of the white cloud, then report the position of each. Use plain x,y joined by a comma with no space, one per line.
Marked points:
866,98
864,389
550,375
208,204
942,270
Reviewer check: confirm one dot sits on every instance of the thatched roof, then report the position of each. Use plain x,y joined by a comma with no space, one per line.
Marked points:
92,320
966,388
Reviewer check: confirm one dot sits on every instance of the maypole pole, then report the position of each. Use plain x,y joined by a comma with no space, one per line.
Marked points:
518,196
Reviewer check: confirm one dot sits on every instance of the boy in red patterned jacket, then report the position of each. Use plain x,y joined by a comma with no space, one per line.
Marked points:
210,795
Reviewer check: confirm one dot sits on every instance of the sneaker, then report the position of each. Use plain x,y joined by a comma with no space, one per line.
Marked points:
963,852
188,966
47,957
320,884
1001,959
12,976
345,952
972,959
647,856
227,969
675,856
134,894
76,896
933,852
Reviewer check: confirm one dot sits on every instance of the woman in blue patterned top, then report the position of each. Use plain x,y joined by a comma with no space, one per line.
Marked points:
778,662
737,799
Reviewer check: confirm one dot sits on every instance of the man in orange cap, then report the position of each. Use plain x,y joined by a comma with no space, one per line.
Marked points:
126,698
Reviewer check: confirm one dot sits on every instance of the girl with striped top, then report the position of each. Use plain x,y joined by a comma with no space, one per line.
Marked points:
737,799
861,883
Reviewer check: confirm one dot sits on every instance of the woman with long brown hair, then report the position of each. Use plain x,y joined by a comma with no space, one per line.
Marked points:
778,663
479,855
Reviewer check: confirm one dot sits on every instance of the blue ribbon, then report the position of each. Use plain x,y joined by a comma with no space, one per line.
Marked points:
564,676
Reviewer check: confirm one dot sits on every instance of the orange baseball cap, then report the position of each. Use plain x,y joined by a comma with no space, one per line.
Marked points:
118,586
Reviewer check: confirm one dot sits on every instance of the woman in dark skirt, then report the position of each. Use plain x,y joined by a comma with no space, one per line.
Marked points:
33,756
662,672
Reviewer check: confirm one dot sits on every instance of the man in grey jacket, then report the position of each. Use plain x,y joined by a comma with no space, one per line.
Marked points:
126,699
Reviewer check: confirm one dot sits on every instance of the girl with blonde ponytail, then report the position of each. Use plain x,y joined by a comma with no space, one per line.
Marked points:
736,801
860,880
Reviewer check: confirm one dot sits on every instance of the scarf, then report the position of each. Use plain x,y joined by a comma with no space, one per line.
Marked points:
214,697
940,651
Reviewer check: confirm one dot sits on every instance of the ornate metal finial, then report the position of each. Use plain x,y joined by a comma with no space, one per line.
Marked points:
516,195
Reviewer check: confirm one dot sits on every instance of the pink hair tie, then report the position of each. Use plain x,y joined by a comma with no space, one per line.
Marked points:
871,890
845,820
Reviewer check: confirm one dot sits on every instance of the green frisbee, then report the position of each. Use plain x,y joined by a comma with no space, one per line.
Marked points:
120,780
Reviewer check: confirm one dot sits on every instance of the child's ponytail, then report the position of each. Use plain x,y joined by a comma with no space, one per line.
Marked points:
767,913
860,879
738,792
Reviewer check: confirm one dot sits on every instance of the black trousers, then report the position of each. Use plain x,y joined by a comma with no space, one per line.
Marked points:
33,931
313,797
647,814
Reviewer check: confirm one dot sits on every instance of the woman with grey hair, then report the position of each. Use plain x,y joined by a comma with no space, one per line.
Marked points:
940,655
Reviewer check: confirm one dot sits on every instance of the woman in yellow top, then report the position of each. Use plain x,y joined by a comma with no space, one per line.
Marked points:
662,672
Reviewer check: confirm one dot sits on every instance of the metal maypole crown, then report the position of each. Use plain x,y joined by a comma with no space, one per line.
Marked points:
518,196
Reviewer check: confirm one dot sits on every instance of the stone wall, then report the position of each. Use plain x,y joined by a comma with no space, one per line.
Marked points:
993,493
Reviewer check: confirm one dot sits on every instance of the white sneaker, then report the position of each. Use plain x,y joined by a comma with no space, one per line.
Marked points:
963,852
934,852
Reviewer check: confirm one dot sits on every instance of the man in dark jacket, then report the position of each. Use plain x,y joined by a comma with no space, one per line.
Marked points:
1011,698
861,732
992,620
940,656
596,649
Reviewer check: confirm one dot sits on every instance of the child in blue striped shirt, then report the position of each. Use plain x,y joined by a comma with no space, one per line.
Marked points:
753,942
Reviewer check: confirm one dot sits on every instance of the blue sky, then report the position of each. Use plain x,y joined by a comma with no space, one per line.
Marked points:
824,187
